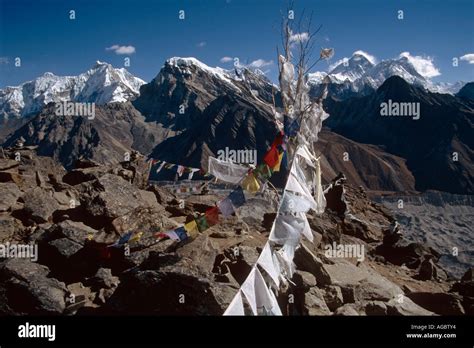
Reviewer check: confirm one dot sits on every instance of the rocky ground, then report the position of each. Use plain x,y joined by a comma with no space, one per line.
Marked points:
73,216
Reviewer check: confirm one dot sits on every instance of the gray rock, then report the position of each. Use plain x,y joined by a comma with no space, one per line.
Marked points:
110,196
305,260
405,306
314,303
104,279
40,204
347,310
27,289
10,194
375,308
333,297
439,303
304,280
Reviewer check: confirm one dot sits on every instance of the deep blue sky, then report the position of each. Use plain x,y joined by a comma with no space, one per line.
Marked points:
40,32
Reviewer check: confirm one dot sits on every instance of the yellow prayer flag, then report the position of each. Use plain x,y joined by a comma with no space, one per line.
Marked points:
250,183
191,228
136,237
276,168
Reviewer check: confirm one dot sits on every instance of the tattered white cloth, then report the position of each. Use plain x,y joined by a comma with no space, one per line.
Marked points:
226,171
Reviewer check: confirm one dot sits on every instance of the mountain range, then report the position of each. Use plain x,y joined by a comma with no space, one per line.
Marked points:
189,111
101,84
361,75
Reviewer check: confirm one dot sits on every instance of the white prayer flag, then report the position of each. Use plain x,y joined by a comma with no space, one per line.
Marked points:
264,299
248,288
287,229
297,183
161,166
266,261
320,198
225,171
236,307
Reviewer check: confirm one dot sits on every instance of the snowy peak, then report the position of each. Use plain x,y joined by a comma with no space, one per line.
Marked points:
352,68
101,84
361,73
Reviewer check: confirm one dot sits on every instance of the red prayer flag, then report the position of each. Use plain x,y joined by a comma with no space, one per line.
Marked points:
271,158
212,216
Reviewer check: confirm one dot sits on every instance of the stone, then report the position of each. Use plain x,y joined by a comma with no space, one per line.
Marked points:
103,279
35,292
10,194
375,308
111,197
314,303
333,297
405,307
439,303
304,280
39,204
347,310
305,260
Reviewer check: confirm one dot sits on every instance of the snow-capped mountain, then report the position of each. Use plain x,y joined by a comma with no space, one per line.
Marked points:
360,74
101,84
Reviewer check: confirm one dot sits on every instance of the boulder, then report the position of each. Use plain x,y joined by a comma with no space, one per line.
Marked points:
333,297
305,260
10,228
405,306
439,303
348,309
314,303
103,279
304,280
10,194
39,204
26,288
375,308
111,196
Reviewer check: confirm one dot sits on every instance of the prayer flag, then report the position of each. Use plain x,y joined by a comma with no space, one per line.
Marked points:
237,197
250,183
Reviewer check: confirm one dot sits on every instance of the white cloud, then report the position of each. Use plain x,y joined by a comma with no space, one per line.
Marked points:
226,59
423,65
298,37
260,63
369,57
121,49
468,58
201,44
4,60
